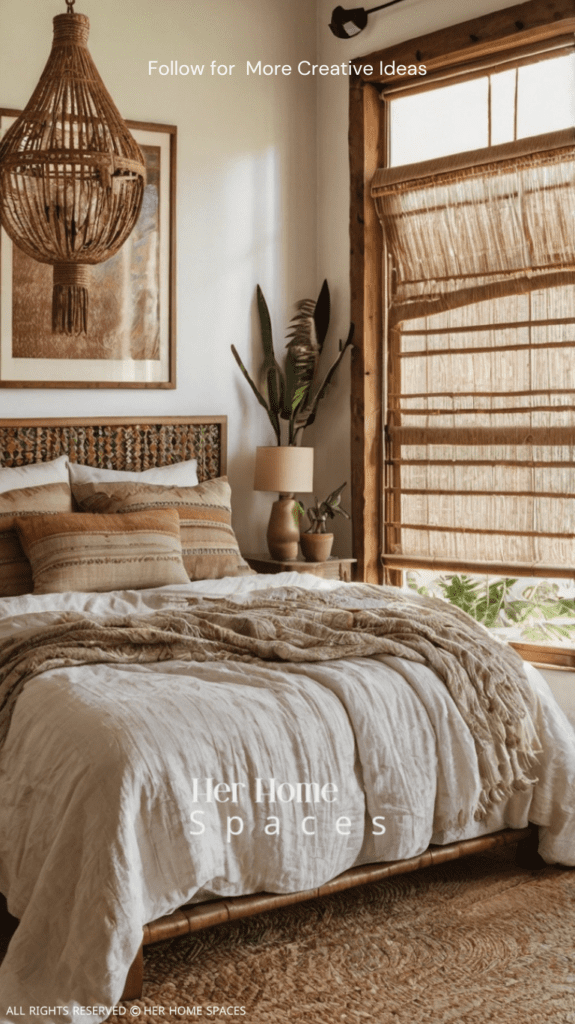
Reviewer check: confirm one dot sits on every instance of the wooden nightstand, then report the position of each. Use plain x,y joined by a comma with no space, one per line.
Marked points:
333,569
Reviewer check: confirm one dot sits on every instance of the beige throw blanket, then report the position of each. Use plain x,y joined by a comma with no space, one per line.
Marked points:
484,677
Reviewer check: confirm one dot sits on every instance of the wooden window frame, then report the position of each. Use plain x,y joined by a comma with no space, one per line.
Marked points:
462,47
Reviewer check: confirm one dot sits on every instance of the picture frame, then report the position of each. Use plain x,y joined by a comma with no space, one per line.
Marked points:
131,338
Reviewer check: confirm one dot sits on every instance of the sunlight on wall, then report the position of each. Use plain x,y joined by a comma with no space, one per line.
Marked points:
245,216
248,225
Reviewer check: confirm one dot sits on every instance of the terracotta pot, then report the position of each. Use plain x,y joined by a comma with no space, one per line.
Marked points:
316,547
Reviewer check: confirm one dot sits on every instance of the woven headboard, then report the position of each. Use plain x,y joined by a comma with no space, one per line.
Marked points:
119,443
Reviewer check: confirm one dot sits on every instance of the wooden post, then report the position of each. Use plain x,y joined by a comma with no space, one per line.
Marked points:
366,135
135,978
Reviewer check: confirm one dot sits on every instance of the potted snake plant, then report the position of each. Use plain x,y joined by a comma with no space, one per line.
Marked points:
291,393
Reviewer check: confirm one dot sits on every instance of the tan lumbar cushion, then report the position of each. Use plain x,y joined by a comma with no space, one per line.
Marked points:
209,546
84,552
51,499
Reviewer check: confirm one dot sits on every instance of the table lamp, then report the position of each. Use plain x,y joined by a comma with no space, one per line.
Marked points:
287,470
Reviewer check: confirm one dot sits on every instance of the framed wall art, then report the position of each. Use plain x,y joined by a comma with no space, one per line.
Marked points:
130,341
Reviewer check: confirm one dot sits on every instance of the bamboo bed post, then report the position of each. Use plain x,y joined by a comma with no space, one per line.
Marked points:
135,978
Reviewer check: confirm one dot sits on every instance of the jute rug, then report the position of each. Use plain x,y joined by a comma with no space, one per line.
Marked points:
465,943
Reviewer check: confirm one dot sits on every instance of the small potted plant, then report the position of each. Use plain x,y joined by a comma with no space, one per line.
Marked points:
316,543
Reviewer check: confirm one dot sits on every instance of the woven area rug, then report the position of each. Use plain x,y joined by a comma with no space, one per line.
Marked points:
467,942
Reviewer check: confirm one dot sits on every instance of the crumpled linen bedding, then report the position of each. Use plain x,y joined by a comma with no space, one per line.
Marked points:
108,818
294,625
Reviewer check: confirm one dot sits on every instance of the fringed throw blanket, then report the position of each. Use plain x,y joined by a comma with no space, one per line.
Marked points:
484,677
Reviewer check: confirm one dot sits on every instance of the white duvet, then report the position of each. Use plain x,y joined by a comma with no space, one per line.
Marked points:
127,792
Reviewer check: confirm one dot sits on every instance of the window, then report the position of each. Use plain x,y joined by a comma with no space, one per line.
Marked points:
486,110
480,369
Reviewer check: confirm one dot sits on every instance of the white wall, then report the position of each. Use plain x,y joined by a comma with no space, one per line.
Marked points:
246,193
563,689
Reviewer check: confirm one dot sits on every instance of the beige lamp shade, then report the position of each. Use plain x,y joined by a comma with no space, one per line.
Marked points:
284,469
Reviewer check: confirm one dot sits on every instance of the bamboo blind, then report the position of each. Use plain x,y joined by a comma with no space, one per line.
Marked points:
481,383
482,432
491,222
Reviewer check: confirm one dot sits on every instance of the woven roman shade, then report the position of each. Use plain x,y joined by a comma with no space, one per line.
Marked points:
476,225
481,374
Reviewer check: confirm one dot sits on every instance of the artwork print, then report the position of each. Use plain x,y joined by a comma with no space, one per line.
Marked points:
129,341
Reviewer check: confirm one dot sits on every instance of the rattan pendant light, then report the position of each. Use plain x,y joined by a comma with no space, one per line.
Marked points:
71,176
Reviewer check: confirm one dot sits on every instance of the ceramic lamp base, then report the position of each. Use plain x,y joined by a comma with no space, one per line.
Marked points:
283,533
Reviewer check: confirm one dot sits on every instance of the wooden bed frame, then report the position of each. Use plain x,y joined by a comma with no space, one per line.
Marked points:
139,443
195,917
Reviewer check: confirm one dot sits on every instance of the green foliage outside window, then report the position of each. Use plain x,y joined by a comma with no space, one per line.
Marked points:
535,611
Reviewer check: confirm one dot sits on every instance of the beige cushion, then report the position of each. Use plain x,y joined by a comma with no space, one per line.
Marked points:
15,571
209,546
103,552
37,474
178,474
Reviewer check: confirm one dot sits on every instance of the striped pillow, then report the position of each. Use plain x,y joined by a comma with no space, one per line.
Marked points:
15,571
84,552
209,546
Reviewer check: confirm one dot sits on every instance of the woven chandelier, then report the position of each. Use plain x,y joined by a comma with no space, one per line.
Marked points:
71,175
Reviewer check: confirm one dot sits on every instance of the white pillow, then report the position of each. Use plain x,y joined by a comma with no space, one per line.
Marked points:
179,474
38,474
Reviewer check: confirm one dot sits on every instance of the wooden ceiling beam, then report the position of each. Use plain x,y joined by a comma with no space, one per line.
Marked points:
511,28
